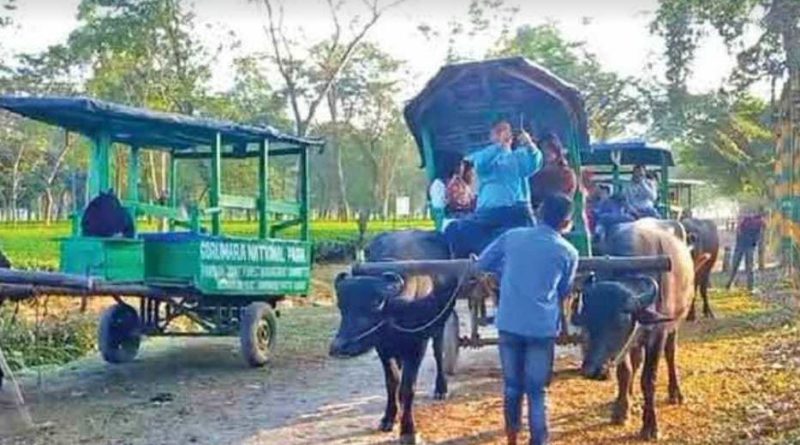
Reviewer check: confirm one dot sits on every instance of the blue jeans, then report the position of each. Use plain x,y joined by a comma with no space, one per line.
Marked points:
475,231
527,367
744,249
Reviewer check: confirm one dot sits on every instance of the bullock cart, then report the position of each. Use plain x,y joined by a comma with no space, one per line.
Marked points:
227,285
453,340
611,160
451,117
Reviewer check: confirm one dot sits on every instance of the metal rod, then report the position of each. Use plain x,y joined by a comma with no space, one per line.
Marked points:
659,263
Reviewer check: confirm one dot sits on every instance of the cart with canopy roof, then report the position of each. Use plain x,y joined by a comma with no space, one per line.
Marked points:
227,285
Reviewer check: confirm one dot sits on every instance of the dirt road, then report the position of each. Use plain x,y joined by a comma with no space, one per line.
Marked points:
741,377
199,391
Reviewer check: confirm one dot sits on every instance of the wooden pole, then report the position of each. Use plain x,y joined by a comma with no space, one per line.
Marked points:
216,184
263,189
305,231
660,263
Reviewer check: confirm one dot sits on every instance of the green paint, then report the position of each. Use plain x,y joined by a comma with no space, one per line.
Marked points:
112,259
305,232
232,266
430,171
664,186
216,183
99,165
133,182
579,237
263,189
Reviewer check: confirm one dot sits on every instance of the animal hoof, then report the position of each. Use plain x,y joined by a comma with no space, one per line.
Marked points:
710,315
648,433
386,425
676,398
440,395
411,439
619,416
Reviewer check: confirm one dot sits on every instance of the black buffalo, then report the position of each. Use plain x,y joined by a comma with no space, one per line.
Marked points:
704,238
105,217
612,306
396,316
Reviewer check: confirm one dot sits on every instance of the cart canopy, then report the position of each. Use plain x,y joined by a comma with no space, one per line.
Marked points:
631,153
146,128
454,112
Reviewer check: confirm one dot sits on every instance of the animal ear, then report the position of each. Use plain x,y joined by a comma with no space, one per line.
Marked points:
643,294
650,316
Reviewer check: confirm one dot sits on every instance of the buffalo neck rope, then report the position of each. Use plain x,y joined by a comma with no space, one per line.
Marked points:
425,326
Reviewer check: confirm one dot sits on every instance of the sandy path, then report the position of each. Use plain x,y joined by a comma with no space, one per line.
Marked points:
198,391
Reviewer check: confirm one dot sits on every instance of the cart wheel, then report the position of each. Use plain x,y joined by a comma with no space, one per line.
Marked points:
450,346
119,334
257,330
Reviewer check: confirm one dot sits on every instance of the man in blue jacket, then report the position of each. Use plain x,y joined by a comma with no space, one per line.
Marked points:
502,201
536,267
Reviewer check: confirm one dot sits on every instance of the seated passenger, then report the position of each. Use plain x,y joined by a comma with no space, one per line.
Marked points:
438,200
610,212
501,197
556,176
460,193
598,194
641,194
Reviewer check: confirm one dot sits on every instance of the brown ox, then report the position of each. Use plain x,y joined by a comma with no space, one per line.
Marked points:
638,312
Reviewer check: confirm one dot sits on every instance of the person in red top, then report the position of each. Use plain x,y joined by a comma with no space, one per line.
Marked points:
556,176
749,231
460,194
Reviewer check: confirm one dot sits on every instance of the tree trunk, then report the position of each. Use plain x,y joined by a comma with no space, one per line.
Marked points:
335,147
15,180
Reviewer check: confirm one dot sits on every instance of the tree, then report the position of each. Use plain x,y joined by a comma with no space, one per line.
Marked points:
613,102
484,19
140,53
303,83
682,23
730,134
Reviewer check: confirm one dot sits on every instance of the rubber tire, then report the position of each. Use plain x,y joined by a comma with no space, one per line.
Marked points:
119,334
257,331
450,344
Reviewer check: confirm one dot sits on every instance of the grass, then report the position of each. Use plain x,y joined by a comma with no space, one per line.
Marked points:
740,379
35,245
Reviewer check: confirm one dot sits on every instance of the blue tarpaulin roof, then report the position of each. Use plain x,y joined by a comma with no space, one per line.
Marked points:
459,104
631,153
142,127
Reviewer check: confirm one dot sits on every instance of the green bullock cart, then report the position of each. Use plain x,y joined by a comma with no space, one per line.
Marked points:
225,284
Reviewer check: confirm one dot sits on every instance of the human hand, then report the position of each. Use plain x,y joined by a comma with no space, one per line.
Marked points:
525,138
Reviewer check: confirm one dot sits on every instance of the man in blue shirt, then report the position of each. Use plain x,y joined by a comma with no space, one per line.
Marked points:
536,267
502,199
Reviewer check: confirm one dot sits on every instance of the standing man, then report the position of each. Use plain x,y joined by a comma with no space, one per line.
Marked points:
749,231
501,202
641,194
530,314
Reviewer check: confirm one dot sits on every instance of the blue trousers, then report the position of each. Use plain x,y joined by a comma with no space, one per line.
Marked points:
744,249
527,367
474,232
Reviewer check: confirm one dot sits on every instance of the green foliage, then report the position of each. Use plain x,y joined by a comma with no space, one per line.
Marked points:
613,103
723,132
52,340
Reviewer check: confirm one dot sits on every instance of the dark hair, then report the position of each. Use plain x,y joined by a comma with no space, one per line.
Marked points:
549,136
497,122
555,209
